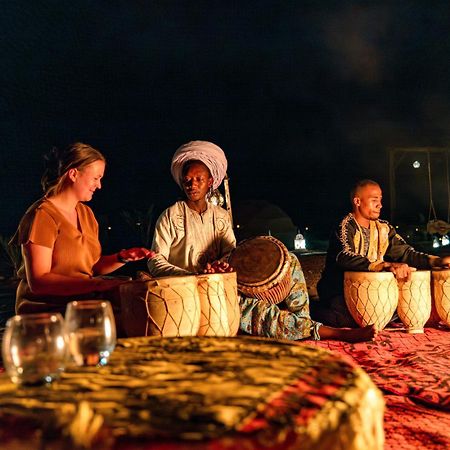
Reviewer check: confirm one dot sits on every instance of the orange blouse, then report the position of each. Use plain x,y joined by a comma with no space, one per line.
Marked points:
75,251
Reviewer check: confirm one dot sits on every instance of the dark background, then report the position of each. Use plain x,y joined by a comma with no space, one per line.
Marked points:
304,98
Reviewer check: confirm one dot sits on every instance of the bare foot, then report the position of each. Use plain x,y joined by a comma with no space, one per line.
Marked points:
368,333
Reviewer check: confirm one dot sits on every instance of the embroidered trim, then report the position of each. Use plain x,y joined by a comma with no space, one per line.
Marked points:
346,249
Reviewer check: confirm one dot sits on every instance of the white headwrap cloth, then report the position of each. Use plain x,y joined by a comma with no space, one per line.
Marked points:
208,153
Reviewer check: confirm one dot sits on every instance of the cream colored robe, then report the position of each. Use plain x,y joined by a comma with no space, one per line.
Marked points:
186,240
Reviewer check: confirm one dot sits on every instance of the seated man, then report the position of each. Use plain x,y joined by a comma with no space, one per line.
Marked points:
194,236
362,243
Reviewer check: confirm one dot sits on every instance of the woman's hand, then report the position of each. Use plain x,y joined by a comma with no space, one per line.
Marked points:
110,263
134,254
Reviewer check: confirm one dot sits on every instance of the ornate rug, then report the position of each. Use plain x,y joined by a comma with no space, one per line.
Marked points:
413,371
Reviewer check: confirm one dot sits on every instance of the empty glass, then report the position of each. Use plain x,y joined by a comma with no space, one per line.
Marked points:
34,348
91,331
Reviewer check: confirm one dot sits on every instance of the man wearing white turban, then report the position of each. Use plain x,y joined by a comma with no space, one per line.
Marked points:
211,155
194,235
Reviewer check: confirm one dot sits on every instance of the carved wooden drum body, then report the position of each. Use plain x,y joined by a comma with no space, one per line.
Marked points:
168,306
371,297
220,312
263,268
441,293
414,301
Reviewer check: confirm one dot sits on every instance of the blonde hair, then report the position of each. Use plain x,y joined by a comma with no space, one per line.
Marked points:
58,163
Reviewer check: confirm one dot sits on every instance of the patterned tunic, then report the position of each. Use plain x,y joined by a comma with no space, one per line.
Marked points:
287,320
348,251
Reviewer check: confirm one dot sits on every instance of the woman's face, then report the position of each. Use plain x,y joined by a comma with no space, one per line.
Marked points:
87,180
196,181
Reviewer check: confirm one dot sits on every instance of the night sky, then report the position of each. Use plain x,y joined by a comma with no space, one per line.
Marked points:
304,97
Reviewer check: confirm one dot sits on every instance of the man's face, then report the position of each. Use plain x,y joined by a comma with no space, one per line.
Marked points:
196,181
367,201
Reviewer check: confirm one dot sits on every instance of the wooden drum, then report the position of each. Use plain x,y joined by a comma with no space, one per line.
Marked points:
440,288
414,301
168,306
263,268
219,304
371,297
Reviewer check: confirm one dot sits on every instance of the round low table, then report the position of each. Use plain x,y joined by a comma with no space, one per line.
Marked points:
203,393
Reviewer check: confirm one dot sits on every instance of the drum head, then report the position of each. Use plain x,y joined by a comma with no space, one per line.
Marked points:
257,260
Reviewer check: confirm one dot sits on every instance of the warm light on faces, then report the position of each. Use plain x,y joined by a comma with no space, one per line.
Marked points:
368,202
196,181
87,180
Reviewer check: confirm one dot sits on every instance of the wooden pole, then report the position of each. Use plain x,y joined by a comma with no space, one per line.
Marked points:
227,197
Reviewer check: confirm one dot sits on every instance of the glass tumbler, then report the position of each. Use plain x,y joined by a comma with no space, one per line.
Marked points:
91,331
34,348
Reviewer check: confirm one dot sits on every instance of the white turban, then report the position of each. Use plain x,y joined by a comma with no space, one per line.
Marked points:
208,153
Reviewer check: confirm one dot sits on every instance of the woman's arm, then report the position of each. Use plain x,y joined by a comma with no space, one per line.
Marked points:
109,263
42,281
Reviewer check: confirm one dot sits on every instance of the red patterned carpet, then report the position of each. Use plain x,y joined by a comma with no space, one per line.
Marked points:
413,371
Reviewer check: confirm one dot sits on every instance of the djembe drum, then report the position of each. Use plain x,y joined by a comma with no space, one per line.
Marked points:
168,306
232,298
440,287
414,301
263,268
220,313
371,297
434,319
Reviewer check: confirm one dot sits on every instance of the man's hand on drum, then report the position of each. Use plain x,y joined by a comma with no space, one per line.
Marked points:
401,271
217,267
135,254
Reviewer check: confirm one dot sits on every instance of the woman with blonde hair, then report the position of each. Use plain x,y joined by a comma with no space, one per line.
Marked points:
58,236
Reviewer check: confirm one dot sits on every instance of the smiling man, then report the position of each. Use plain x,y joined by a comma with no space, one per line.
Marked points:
364,243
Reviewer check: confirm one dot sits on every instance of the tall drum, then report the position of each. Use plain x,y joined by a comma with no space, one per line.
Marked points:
220,313
414,301
232,299
371,297
263,268
168,306
440,286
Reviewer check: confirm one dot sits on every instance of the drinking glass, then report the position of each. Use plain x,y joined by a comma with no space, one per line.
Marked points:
34,348
91,331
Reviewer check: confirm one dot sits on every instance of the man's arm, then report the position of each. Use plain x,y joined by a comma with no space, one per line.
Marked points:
159,265
401,252
227,244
